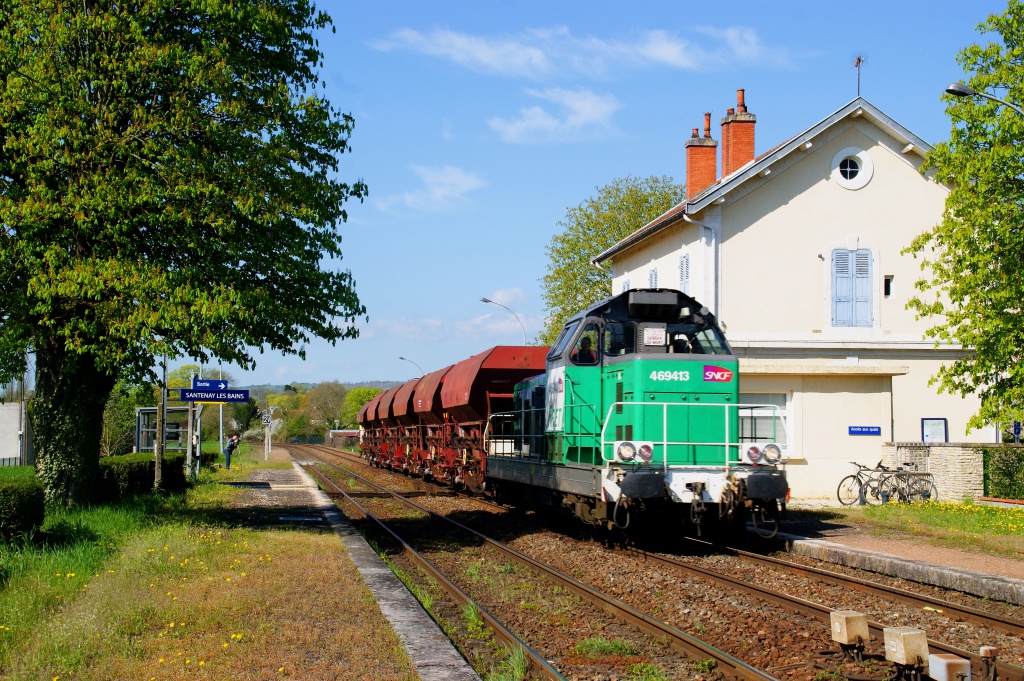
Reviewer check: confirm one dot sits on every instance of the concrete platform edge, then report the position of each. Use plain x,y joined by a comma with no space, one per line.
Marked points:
995,587
433,655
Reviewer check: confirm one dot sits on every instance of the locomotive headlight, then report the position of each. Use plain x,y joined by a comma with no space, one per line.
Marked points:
626,451
645,452
753,453
772,453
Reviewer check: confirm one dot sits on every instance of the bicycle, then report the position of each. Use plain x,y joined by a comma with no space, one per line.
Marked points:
862,486
907,486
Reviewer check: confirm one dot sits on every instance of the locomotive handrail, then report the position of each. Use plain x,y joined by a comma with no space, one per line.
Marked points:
665,443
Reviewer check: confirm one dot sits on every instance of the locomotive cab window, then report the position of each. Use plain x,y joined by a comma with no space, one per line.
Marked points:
562,340
587,346
619,338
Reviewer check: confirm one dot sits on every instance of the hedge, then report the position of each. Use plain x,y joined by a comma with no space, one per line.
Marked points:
130,474
22,506
1004,473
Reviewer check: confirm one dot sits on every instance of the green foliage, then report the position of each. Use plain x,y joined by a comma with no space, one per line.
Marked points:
598,647
119,416
168,186
17,472
354,401
323,403
22,506
244,414
974,283
616,211
131,474
1004,472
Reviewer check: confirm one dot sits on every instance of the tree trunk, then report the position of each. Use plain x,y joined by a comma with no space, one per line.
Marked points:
67,419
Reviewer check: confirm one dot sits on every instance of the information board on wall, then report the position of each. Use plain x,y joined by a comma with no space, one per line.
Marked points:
934,430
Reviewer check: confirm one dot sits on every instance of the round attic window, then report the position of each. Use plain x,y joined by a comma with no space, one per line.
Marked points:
852,168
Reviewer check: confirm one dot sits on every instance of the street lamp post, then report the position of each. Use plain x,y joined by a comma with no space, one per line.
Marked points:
414,364
961,90
488,300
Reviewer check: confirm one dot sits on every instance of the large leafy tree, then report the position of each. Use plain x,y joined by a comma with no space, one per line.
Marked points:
974,285
353,402
167,187
617,210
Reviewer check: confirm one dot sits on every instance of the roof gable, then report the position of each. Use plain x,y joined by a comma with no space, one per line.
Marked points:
717,191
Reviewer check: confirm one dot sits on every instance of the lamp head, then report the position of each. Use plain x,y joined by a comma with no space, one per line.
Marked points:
486,300
960,90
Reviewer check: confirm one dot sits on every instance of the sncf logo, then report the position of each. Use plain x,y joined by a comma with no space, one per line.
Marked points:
717,374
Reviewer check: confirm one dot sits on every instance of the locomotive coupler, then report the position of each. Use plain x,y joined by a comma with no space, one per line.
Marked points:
697,505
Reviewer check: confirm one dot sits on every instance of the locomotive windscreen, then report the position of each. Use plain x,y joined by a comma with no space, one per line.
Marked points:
654,304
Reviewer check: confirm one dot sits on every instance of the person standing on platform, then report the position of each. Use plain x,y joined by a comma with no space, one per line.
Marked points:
231,446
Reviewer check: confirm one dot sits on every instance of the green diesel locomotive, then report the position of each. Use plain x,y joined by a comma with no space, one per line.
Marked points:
638,415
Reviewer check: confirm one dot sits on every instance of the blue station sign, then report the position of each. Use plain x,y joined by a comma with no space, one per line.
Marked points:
865,430
214,395
209,384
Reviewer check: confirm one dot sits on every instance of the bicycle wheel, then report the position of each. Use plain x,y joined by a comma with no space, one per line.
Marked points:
891,489
924,490
848,490
872,494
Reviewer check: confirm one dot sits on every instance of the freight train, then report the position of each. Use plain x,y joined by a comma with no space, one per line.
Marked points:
632,415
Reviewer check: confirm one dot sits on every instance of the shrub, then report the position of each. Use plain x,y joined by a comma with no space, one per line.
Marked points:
21,505
130,474
1004,473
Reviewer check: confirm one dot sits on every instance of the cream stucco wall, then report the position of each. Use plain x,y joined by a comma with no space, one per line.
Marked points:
786,226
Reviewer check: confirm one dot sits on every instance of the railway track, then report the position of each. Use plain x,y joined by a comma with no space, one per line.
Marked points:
726,664
819,612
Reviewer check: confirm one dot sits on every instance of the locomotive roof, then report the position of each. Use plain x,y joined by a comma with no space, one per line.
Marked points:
659,304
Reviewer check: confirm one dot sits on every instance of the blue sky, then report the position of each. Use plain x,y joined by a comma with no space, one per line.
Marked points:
479,123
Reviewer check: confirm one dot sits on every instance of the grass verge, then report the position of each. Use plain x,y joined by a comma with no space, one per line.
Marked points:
168,588
966,526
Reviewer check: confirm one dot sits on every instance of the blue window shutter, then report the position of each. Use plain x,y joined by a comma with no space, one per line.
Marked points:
842,288
862,288
652,278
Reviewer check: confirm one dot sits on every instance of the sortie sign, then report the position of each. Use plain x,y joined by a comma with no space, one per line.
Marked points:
214,395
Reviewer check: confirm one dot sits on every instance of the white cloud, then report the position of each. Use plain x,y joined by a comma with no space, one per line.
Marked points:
581,112
442,186
546,52
504,56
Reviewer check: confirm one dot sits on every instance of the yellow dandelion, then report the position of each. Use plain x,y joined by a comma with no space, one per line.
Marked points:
225,645
243,574
161,659
201,663
228,579
281,669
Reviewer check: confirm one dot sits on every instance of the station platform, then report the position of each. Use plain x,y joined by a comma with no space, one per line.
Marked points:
908,557
295,493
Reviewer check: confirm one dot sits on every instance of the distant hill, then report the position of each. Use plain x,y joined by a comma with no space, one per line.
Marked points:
383,385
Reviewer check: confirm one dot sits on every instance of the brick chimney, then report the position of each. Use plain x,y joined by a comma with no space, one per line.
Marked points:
701,160
737,136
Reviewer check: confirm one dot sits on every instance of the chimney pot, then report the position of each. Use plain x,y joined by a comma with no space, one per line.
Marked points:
730,111
737,136
701,160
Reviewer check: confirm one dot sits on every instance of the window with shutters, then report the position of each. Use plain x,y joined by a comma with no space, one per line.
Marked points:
851,288
652,278
684,273
625,285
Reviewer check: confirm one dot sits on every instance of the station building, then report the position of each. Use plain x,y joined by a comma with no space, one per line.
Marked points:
798,252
